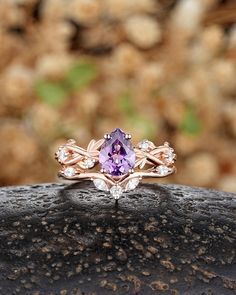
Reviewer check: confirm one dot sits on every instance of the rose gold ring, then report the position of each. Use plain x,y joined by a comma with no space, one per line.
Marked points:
122,166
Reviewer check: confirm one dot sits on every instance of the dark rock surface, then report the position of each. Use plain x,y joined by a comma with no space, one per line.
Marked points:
160,239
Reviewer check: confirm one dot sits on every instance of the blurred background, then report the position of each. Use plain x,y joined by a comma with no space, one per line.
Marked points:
159,69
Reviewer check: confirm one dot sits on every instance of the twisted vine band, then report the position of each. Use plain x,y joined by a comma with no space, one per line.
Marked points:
122,166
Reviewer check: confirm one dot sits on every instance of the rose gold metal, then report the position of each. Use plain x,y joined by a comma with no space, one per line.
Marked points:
154,158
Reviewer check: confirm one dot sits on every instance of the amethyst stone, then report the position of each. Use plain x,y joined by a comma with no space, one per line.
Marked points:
117,155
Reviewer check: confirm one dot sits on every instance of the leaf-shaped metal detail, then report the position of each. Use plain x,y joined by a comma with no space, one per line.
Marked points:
143,162
94,145
91,145
98,144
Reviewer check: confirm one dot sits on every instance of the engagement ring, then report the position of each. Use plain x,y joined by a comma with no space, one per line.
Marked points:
122,166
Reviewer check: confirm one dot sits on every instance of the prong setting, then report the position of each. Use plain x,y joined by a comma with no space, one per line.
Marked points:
71,141
128,136
107,136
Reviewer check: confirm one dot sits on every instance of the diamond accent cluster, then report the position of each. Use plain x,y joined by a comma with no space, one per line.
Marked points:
116,190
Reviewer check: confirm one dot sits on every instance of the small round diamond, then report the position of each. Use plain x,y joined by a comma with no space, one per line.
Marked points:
69,172
170,156
63,155
162,170
89,163
116,191
145,145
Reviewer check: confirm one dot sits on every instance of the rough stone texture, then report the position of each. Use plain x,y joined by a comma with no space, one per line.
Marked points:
160,239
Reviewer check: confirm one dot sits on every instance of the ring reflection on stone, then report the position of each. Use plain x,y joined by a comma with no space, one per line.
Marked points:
122,166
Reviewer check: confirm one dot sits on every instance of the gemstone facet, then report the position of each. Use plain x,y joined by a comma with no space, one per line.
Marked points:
62,155
100,184
162,170
69,172
89,163
132,183
145,145
117,156
170,156
116,191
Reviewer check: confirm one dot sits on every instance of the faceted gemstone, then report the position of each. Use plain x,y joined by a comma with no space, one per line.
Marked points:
100,184
145,145
117,155
62,155
116,191
162,170
132,183
69,172
170,156
89,163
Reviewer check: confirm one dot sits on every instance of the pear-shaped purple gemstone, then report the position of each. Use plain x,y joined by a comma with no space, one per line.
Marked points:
117,155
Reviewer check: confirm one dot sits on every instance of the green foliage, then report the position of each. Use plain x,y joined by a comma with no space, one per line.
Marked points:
134,118
126,104
81,75
147,127
191,123
55,93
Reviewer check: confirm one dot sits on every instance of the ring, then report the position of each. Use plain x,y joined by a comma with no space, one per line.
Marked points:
122,166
